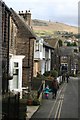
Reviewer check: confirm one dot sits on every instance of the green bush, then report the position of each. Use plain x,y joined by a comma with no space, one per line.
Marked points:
36,102
60,43
47,73
54,73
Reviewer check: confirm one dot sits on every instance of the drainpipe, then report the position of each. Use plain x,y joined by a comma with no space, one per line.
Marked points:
8,50
29,85
29,54
32,65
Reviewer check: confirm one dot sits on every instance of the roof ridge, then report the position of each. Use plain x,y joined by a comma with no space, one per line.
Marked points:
27,27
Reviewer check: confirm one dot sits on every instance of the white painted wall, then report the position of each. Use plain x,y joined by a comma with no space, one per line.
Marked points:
43,52
49,65
38,49
49,54
43,56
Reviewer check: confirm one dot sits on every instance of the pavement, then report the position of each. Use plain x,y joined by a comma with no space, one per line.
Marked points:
31,110
43,109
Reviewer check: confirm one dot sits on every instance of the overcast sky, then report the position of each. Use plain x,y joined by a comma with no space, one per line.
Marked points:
65,11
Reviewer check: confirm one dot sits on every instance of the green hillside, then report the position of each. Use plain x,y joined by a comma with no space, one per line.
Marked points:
48,28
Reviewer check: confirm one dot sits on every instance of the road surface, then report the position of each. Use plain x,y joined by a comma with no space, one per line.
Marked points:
64,106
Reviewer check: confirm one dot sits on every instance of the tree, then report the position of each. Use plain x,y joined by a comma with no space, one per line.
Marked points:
71,44
60,43
68,44
54,73
74,44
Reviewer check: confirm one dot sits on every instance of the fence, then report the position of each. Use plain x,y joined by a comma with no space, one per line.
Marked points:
10,106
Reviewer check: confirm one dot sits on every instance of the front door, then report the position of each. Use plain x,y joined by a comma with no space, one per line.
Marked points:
15,75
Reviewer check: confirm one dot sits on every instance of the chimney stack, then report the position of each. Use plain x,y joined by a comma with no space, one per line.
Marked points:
26,16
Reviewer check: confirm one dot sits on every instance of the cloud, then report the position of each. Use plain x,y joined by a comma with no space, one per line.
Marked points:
48,9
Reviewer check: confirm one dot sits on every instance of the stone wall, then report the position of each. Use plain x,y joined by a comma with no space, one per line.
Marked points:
24,46
5,44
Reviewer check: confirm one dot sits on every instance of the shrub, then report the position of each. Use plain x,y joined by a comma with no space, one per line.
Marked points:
54,73
36,102
47,73
60,43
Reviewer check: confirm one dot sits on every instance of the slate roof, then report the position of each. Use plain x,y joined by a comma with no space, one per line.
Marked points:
6,7
47,45
53,42
66,51
22,26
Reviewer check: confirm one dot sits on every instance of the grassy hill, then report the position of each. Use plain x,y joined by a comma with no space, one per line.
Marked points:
42,28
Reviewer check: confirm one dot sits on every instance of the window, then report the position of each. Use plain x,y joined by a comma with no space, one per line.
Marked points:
15,72
40,48
15,64
37,47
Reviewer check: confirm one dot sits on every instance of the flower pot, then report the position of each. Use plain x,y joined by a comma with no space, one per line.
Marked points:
29,102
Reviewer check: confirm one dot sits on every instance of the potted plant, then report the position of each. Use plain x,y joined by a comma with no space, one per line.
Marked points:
36,102
54,73
29,99
29,102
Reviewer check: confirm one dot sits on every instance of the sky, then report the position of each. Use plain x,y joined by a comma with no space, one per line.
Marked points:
64,11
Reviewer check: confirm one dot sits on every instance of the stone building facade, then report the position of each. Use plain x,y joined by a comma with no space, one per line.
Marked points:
24,46
16,44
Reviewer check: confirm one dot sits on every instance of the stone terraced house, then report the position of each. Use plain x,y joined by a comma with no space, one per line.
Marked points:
16,50
21,52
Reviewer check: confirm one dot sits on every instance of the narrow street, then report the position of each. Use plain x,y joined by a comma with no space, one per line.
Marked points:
64,106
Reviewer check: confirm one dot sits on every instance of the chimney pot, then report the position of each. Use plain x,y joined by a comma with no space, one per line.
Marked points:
28,10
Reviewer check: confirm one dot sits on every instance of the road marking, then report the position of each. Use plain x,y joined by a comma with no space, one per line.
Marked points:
57,109
57,99
57,114
60,107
